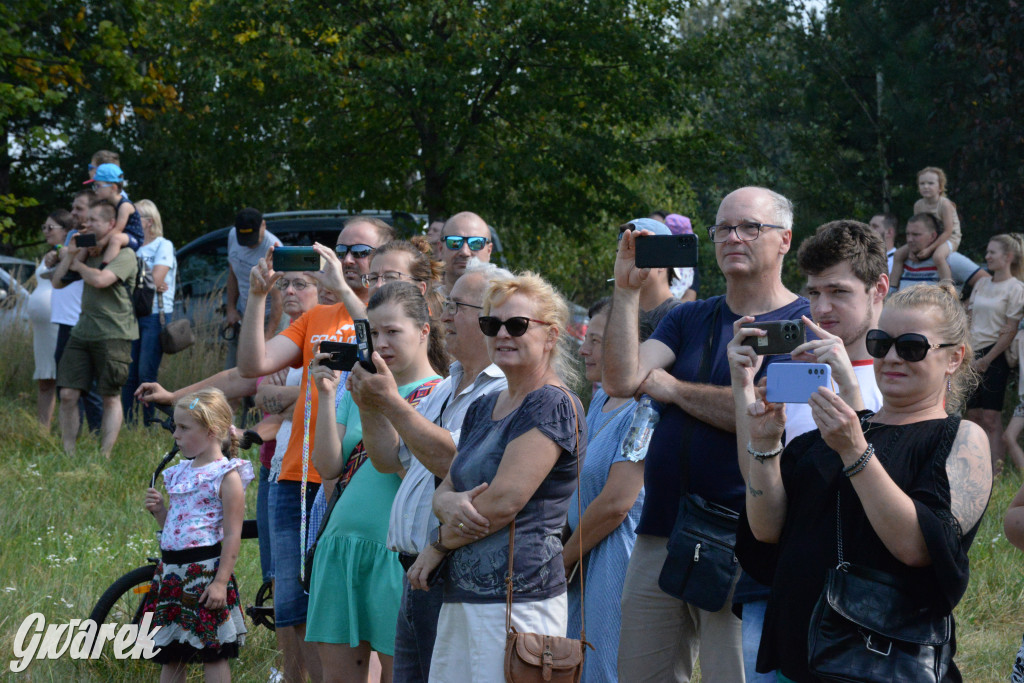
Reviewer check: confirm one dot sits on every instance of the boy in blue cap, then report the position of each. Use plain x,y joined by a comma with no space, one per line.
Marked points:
108,183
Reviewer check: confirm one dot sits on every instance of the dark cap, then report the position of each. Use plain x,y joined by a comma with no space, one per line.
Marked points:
247,226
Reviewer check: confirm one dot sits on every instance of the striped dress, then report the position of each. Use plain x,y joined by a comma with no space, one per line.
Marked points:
606,563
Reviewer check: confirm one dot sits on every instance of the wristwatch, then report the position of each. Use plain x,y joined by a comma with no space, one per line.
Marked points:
436,543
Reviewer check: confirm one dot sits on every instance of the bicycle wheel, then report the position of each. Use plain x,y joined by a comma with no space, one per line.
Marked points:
122,602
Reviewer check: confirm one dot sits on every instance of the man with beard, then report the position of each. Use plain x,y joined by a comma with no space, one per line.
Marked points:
464,236
847,280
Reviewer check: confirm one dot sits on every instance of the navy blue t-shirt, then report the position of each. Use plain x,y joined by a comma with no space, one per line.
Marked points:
476,572
714,470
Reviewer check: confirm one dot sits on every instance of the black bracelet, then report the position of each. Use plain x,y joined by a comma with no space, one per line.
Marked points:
761,457
861,463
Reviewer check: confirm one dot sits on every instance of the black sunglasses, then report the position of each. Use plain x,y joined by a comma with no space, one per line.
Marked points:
454,242
911,347
357,250
515,326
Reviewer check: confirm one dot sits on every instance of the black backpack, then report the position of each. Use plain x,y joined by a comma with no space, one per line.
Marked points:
143,291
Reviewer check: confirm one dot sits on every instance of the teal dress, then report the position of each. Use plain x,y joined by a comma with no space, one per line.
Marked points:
356,583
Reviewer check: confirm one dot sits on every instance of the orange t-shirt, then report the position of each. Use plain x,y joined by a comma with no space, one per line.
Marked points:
331,323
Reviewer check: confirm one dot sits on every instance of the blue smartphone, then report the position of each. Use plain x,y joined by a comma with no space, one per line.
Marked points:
795,382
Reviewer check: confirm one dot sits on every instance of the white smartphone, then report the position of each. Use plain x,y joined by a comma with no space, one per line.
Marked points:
795,382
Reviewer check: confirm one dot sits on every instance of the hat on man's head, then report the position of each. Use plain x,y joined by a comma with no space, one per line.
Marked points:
107,173
679,225
657,227
247,226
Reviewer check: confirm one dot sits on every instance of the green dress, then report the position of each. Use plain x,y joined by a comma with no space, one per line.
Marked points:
356,586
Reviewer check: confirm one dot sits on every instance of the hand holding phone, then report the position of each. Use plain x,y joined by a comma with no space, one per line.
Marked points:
365,344
796,382
85,240
343,355
783,336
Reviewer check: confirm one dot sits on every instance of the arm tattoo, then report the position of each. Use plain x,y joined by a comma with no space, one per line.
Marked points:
754,493
969,471
272,403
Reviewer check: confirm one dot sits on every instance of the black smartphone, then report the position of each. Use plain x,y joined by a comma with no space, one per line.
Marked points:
783,336
85,239
666,251
290,259
365,344
343,355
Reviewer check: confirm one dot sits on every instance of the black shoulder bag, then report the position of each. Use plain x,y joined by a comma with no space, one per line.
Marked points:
867,627
701,566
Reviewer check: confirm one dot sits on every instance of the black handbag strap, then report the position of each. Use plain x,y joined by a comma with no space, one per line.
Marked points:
703,375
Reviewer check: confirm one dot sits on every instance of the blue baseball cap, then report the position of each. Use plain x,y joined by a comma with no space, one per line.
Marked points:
657,227
107,173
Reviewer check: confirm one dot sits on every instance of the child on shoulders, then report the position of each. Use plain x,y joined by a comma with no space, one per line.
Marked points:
108,184
931,184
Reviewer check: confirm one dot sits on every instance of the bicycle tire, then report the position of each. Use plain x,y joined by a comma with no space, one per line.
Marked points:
121,603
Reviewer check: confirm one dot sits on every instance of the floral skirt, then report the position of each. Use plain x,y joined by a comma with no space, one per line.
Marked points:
190,632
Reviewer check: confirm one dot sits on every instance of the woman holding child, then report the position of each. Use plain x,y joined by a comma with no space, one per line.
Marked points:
899,492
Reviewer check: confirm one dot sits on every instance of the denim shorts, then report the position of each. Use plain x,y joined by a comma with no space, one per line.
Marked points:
290,601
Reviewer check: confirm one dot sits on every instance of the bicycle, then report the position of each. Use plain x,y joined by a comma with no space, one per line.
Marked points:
123,601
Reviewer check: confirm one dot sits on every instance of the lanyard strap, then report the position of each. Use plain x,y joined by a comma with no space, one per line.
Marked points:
304,524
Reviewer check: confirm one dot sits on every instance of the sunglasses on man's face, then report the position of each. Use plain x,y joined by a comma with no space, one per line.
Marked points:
454,242
357,250
911,347
516,326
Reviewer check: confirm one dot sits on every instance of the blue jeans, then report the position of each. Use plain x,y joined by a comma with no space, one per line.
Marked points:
263,523
147,353
753,623
416,632
290,601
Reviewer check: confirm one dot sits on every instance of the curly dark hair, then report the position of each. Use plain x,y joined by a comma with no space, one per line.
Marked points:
844,240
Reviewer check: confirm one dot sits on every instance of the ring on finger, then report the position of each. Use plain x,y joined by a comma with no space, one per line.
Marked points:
461,525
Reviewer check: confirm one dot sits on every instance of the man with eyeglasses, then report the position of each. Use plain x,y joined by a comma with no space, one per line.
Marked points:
661,635
464,236
421,442
248,242
342,274
847,280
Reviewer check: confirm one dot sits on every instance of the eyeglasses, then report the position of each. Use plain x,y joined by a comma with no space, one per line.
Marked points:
46,227
92,167
911,347
370,279
454,242
515,326
357,250
451,307
747,232
298,283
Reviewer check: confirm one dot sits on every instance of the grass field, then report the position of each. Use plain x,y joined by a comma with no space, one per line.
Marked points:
71,526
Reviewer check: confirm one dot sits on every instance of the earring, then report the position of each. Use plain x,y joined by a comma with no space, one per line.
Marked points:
949,384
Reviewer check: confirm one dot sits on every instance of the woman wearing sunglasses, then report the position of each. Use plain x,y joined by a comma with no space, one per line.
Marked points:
906,486
516,464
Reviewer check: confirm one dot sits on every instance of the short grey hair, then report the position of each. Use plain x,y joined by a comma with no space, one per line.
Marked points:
489,271
783,209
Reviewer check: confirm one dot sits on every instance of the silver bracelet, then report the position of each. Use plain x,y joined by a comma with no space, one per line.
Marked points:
861,463
761,457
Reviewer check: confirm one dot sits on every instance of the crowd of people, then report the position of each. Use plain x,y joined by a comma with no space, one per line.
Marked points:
417,508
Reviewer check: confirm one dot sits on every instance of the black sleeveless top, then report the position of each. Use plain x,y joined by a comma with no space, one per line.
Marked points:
914,456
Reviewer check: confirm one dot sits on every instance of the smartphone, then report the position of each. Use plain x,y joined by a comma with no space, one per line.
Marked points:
85,240
287,259
365,344
666,251
796,382
343,355
783,336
